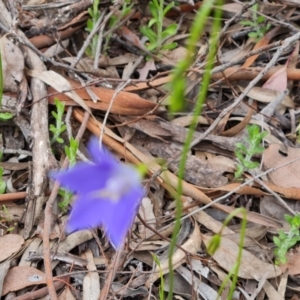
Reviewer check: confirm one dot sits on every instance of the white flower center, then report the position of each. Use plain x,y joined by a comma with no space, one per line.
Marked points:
119,184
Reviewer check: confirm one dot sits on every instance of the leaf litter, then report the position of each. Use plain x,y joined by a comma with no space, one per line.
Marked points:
42,61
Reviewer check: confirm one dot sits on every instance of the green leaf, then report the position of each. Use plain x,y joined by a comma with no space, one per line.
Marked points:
240,156
241,147
250,164
126,9
90,11
59,140
168,7
253,35
149,33
260,19
169,31
247,23
239,171
154,10
52,128
112,21
169,46
2,186
253,130
151,47
152,22
6,116
258,150
54,114
277,241
63,128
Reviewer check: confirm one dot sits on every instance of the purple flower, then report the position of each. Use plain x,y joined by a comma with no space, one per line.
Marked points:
108,194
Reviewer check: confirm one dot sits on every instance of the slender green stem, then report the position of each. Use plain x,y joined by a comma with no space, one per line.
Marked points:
196,30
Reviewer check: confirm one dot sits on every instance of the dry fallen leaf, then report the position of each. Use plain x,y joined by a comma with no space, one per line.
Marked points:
18,278
91,280
287,176
10,244
251,267
60,83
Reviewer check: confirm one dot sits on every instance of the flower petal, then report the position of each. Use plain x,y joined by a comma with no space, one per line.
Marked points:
101,156
86,213
83,178
120,215
115,216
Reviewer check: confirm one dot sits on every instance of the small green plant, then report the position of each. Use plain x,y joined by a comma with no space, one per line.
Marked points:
260,28
2,182
60,126
71,154
115,20
94,17
285,241
155,32
244,153
161,275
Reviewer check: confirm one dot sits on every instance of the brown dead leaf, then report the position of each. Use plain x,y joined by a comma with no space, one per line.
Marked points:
18,278
287,192
287,176
125,103
278,81
233,131
131,37
251,267
60,83
149,66
265,95
10,244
